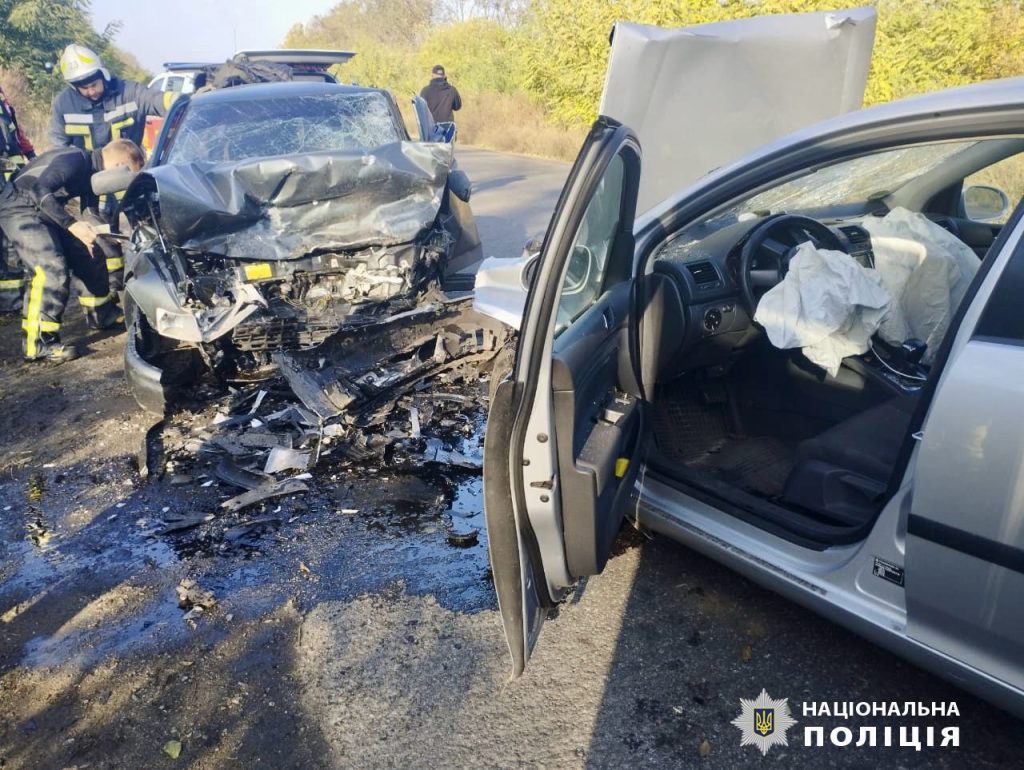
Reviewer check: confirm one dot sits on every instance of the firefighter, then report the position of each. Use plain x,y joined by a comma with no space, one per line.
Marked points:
55,247
15,151
96,108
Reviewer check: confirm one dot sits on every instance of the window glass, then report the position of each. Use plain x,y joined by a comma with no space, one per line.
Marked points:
174,83
856,180
591,248
1006,176
1002,318
238,129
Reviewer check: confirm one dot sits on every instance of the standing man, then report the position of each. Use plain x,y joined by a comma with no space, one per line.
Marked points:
96,108
54,246
15,151
442,97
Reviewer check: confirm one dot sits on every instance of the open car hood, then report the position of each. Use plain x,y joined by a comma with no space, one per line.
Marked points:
702,97
286,207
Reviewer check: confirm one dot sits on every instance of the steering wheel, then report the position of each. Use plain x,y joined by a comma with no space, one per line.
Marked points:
773,242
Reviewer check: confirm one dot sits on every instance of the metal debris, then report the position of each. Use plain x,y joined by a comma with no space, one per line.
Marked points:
281,459
180,524
405,392
240,531
260,494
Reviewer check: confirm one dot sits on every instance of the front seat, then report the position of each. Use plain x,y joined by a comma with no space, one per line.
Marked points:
843,473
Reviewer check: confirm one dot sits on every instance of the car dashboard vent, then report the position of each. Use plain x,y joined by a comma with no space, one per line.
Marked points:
705,276
860,244
856,234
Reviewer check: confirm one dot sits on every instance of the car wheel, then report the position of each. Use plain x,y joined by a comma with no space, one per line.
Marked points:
156,367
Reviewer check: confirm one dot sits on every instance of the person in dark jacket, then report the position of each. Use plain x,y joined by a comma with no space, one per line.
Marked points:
55,247
442,97
15,151
96,108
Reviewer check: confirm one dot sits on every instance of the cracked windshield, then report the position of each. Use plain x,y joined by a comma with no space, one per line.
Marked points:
284,126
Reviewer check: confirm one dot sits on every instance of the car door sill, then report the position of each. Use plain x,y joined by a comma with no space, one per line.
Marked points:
793,526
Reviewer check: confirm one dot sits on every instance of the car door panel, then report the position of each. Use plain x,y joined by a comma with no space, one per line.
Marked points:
965,531
968,513
424,120
595,420
511,545
556,456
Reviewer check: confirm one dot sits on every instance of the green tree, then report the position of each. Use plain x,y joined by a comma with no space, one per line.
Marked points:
36,31
921,45
479,55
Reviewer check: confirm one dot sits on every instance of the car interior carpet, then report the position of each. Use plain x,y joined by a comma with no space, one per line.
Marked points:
702,436
685,427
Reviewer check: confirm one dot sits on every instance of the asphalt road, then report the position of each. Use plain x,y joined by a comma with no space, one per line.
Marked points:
352,635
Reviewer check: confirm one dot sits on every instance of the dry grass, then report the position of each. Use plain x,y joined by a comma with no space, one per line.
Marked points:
514,123
508,123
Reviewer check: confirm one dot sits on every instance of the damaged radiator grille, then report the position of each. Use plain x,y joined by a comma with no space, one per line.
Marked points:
281,334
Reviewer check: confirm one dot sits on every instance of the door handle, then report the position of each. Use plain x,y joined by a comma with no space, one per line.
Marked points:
609,318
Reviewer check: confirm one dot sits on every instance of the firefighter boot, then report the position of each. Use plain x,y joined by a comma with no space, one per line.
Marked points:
104,316
48,347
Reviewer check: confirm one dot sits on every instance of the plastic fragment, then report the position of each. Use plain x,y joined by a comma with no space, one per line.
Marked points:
172,749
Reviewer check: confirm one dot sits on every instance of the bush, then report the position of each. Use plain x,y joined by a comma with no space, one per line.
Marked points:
32,109
515,123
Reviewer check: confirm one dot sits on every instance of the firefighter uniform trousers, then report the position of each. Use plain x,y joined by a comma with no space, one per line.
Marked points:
52,257
12,279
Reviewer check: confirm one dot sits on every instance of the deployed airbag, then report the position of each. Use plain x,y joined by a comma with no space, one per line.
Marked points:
926,270
828,304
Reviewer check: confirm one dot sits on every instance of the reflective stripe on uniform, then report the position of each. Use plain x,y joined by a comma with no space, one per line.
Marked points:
77,117
115,263
43,326
32,323
88,301
117,112
83,131
11,283
115,128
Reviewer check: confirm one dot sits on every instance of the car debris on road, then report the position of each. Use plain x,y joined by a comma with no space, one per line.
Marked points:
408,392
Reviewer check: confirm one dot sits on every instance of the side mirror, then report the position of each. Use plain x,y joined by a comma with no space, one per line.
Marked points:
581,265
984,203
459,184
529,274
113,180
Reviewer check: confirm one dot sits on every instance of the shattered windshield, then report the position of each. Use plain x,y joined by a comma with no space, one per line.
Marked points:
237,130
852,181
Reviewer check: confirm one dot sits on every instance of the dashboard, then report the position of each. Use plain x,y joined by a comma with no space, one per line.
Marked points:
704,266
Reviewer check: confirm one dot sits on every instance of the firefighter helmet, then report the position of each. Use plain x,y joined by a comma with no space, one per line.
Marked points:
80,65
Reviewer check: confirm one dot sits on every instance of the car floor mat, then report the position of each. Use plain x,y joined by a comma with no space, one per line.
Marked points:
685,428
760,465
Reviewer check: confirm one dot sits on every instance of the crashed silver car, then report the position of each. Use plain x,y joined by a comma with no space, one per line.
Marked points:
273,215
806,364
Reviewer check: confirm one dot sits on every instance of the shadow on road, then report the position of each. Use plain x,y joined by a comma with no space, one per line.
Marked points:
696,637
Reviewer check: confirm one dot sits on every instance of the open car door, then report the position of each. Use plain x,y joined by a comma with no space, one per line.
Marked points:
564,430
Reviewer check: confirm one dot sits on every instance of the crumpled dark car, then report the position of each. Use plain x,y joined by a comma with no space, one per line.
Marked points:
273,215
